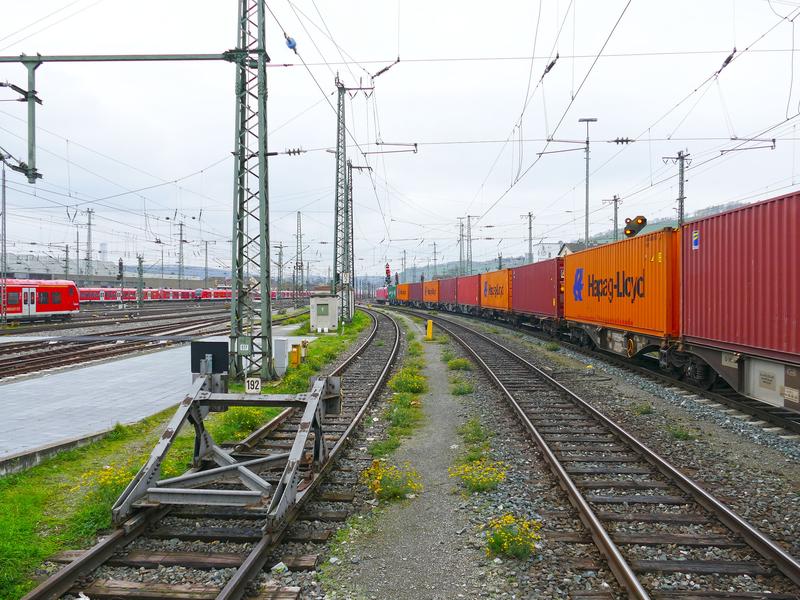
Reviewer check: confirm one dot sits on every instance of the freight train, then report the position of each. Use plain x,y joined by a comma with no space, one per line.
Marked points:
717,298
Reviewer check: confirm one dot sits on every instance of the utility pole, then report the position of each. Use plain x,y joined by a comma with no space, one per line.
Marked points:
279,246
66,261
434,261
587,120
89,272
682,159
460,245
499,261
616,201
251,342
180,255
343,264
404,267
3,255
205,271
530,218
469,244
77,252
140,280
298,260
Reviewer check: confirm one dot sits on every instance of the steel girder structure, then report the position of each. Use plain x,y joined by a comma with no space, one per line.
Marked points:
343,252
251,327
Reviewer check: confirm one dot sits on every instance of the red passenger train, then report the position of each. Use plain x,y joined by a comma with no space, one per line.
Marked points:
29,299
717,299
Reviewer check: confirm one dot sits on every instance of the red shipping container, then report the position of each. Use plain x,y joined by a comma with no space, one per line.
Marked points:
469,290
448,290
415,292
538,288
741,279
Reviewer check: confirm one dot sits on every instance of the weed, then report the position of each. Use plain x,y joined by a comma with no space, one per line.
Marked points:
380,343
415,349
680,433
474,453
388,482
410,336
512,536
447,355
384,447
643,408
462,388
459,364
480,475
552,346
473,432
408,380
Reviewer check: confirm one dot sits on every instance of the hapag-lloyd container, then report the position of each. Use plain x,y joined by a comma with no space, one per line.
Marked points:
430,291
469,290
392,293
630,285
403,294
741,276
448,290
415,291
496,289
538,288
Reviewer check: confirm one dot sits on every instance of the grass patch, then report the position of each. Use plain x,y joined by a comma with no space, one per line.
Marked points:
643,408
680,433
447,355
472,432
459,364
62,503
552,346
461,388
415,348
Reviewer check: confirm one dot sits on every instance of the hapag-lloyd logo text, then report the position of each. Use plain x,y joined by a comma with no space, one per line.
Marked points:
492,290
620,285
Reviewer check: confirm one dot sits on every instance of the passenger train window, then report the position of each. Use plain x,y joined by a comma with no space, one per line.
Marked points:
13,298
56,297
43,298
25,297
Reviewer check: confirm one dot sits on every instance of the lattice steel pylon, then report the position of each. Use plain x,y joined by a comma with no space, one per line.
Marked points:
343,251
251,326
298,261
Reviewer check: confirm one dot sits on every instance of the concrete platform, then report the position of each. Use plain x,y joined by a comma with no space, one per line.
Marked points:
59,410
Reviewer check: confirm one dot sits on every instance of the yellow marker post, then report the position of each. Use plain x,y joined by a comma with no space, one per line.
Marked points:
429,334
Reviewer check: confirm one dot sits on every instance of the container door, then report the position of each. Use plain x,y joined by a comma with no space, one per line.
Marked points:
29,302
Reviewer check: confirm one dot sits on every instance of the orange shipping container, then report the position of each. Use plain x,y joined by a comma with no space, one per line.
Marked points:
629,285
402,292
430,291
496,289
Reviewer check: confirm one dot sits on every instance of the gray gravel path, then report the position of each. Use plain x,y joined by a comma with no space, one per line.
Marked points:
416,550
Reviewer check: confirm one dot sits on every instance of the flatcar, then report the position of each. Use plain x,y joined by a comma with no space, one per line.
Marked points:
718,299
30,299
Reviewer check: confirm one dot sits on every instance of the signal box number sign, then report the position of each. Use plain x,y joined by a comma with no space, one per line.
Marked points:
252,385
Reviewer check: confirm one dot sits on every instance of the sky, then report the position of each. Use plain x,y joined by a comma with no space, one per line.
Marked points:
148,145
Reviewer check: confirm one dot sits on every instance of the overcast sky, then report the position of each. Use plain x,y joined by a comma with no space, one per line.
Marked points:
459,91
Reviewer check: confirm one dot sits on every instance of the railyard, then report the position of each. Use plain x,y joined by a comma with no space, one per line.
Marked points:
317,364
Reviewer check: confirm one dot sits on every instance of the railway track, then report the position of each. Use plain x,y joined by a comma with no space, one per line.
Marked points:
267,456
49,354
93,320
651,522
765,414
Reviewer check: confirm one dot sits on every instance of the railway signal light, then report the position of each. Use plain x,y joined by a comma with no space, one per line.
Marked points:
635,225
119,274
